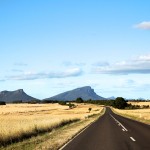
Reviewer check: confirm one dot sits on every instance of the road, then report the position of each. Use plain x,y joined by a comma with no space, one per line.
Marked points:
112,132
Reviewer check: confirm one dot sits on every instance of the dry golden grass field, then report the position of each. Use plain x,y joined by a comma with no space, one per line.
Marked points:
139,103
142,115
21,120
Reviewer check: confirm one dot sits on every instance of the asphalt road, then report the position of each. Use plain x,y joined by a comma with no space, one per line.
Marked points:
112,132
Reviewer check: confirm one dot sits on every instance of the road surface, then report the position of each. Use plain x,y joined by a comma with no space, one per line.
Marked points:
112,132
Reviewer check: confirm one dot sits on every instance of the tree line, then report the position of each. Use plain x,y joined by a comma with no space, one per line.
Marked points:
119,103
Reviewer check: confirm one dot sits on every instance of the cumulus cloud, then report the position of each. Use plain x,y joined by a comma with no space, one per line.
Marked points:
139,65
32,76
143,25
144,58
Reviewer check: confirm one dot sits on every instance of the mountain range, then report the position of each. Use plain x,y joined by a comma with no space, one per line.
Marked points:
18,95
85,93
111,98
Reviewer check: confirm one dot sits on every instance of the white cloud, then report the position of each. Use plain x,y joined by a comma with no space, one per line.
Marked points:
144,58
140,65
40,75
143,25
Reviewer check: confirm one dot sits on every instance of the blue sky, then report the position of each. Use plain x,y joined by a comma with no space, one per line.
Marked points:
51,46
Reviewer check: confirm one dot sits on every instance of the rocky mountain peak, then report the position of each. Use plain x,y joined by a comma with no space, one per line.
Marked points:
18,95
85,93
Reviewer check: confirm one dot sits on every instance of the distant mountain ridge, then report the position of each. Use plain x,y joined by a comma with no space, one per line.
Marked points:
111,98
85,93
18,95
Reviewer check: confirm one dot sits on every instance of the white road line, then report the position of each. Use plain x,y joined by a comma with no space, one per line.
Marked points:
123,130
119,123
132,139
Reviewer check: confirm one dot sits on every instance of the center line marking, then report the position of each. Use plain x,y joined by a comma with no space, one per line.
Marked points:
132,139
123,130
118,122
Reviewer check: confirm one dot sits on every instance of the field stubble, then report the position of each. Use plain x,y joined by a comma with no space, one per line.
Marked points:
19,121
142,115
139,103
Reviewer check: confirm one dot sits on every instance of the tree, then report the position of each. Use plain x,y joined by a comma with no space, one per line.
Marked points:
71,105
90,109
79,100
62,103
17,101
2,103
120,103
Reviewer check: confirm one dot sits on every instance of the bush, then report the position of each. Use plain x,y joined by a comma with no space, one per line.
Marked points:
130,106
2,103
120,103
49,101
71,105
34,102
145,106
79,100
62,103
90,109
17,101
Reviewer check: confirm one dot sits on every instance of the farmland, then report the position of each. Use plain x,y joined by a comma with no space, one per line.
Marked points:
19,121
142,115
139,103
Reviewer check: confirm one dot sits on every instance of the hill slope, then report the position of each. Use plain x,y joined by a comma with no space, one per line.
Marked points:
10,96
85,93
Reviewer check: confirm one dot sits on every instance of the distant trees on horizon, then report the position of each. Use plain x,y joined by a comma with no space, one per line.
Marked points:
2,103
119,102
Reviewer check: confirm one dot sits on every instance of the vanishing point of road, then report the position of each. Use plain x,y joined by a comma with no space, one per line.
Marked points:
112,132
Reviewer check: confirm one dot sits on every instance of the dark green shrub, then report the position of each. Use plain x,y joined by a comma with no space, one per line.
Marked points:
90,109
62,102
17,101
71,105
2,103
79,100
145,106
120,103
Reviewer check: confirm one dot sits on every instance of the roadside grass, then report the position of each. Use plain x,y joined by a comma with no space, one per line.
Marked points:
55,139
142,115
6,139
139,103
23,121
